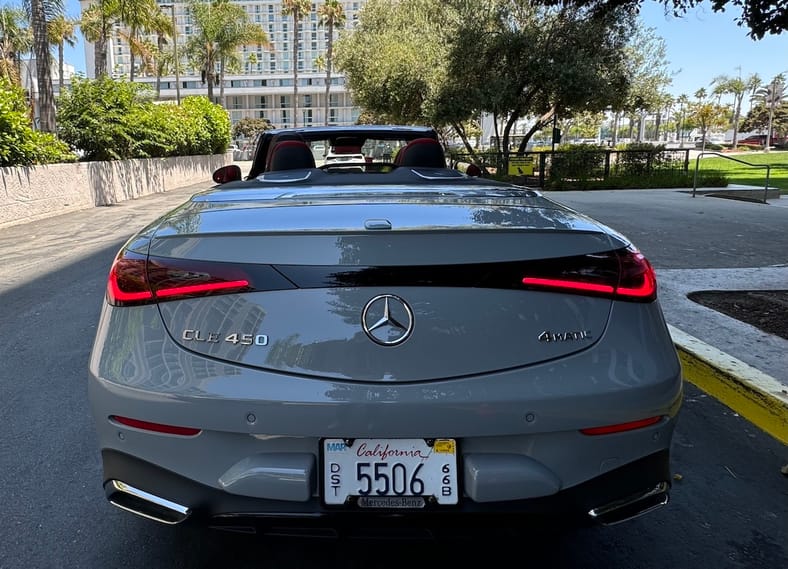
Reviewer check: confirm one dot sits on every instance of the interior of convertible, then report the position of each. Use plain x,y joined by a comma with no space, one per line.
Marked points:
341,152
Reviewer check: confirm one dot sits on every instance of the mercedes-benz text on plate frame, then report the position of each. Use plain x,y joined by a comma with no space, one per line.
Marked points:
390,473
387,320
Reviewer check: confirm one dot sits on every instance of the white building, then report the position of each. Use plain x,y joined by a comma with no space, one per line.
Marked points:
264,87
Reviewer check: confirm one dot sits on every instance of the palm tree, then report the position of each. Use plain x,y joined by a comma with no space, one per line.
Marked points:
331,15
40,12
138,16
220,28
237,32
724,85
754,83
298,9
772,95
96,25
201,46
683,101
15,39
162,25
61,31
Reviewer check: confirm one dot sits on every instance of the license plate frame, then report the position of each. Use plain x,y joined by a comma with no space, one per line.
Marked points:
390,473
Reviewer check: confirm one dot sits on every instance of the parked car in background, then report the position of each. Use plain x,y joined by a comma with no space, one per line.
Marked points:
393,342
755,140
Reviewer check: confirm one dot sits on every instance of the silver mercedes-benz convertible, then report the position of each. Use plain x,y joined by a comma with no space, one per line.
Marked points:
379,337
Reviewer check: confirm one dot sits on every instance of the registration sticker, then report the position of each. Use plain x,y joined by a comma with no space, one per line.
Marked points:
390,473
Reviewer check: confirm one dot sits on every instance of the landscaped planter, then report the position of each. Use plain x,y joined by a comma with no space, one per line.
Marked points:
36,192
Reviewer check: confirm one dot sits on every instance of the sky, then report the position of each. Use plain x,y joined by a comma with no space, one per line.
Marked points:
701,45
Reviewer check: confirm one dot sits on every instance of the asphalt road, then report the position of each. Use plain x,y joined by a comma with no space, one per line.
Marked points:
729,506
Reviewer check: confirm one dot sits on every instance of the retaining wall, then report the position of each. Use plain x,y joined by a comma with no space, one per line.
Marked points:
37,192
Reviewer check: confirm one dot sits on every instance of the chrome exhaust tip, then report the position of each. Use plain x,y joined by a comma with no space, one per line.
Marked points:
632,506
144,504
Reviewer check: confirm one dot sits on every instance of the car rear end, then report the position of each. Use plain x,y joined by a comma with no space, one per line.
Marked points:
417,353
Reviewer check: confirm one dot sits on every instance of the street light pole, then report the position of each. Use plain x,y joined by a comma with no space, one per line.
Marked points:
175,52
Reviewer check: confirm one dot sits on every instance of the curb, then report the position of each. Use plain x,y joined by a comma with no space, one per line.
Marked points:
754,395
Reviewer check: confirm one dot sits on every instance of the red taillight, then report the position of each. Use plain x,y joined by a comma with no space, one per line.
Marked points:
134,279
621,427
155,427
624,274
128,281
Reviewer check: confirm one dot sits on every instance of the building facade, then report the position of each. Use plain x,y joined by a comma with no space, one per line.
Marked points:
263,86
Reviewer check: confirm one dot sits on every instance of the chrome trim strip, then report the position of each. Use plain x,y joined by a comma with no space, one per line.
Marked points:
445,174
281,176
659,497
179,512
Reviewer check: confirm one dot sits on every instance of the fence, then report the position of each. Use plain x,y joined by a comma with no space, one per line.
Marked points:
577,167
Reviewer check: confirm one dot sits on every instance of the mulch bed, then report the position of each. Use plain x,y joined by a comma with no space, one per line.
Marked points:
767,310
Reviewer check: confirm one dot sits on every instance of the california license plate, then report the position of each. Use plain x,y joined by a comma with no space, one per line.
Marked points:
390,473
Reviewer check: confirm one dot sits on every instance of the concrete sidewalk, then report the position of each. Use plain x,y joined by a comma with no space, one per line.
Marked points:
738,364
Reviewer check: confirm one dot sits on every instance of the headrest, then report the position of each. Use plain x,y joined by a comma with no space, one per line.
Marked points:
290,155
422,152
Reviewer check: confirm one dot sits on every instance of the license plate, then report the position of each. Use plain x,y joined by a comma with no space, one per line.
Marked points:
390,473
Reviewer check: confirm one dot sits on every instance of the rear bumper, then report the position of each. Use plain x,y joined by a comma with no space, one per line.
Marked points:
155,493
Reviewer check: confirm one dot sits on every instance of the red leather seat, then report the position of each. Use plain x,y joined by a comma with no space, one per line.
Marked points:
423,153
290,155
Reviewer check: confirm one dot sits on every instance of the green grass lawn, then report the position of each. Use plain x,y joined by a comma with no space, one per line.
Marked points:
738,173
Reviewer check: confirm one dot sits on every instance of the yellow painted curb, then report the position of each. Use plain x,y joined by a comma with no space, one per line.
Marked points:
757,397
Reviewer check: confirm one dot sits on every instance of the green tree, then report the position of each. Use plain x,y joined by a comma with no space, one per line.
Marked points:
680,116
248,128
164,59
757,119
332,16
298,9
61,31
237,31
760,16
202,47
444,63
220,28
647,65
707,115
771,95
138,17
738,87
16,39
96,24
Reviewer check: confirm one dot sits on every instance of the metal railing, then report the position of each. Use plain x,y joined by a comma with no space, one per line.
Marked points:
593,164
697,167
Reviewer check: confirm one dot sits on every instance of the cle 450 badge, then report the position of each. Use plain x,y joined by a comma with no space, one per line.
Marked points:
217,337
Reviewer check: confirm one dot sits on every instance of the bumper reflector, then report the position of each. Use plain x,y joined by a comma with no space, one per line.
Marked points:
621,427
155,427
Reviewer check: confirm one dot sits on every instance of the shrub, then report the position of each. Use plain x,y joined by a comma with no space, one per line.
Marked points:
641,158
248,128
20,145
116,120
577,163
212,121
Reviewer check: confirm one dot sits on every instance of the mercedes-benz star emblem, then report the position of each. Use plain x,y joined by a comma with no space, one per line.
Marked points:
387,320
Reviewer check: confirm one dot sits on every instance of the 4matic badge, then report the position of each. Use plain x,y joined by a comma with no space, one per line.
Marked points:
218,337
